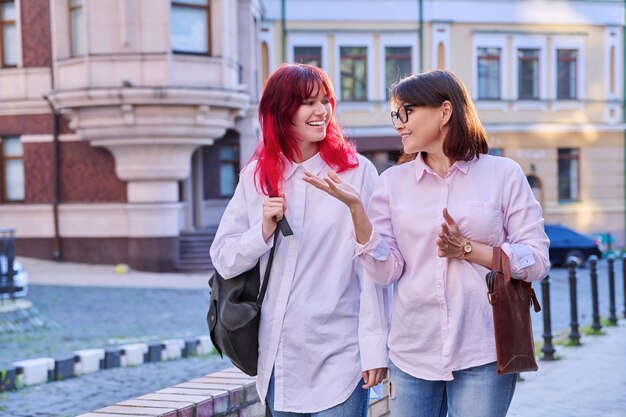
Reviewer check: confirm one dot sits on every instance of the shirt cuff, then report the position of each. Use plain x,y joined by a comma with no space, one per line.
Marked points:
520,257
375,247
373,352
252,243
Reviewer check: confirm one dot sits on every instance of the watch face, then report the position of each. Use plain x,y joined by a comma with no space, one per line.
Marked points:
467,248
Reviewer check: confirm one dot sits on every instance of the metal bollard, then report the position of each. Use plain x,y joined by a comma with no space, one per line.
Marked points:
548,349
612,308
574,336
593,272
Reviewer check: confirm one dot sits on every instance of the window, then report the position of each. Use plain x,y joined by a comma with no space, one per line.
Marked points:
488,73
229,169
397,65
77,28
189,27
11,170
221,167
566,75
353,73
496,151
528,74
8,34
308,55
569,178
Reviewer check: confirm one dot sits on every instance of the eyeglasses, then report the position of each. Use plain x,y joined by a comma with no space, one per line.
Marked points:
402,113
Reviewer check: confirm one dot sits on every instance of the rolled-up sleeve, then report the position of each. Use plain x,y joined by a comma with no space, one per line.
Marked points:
526,242
238,245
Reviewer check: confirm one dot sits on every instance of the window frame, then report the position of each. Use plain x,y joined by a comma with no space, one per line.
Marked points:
355,40
536,78
478,78
358,57
321,54
4,23
531,42
70,11
393,40
560,61
569,157
3,173
488,40
184,4
569,42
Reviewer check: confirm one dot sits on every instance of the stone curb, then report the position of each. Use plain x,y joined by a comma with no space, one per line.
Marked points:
41,370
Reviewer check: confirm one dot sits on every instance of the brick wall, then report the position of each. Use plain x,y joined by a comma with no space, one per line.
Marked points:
88,175
35,33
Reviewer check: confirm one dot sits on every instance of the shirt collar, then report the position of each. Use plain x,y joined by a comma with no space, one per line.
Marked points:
421,166
314,165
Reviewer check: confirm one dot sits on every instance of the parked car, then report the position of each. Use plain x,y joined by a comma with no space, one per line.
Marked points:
565,242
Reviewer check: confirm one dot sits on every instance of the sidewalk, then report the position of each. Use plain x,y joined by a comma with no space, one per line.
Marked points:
44,272
587,381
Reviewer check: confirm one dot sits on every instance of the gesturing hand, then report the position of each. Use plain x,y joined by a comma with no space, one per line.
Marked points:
450,241
333,185
273,210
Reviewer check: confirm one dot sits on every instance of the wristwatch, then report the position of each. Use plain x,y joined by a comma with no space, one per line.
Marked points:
467,248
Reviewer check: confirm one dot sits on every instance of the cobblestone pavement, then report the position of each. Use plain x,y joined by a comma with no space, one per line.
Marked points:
587,381
77,317
94,317
75,396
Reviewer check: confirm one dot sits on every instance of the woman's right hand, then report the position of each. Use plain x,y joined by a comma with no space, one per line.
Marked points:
273,211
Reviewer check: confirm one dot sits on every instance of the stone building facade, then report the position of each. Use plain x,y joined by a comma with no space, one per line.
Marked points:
121,123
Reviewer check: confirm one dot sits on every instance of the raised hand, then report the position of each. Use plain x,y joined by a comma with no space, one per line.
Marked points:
450,241
333,185
273,210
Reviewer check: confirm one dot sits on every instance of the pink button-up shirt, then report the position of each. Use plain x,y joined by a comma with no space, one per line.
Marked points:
441,319
322,323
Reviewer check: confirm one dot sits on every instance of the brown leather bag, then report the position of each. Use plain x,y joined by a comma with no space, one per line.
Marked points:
511,300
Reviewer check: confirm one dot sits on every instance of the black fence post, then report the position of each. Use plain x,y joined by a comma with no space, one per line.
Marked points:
624,280
593,271
612,308
548,349
574,336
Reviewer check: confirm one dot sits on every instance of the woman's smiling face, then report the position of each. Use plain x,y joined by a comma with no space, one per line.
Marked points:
312,118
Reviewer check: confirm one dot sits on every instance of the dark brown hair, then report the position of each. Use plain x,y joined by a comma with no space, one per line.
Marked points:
466,137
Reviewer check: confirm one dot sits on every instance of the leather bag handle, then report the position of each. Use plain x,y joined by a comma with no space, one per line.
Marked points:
284,228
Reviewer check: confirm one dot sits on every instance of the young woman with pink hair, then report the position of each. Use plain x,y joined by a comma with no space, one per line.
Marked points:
323,332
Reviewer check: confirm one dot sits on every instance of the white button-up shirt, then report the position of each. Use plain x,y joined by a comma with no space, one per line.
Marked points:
441,319
321,323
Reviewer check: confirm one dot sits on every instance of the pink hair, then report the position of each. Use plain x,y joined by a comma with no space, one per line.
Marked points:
283,94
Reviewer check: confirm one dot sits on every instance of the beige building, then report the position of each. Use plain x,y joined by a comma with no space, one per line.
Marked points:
121,123
546,77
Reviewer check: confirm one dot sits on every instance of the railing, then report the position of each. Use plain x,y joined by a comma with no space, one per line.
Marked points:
573,339
7,258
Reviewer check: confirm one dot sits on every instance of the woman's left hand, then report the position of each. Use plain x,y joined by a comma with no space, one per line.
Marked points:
333,185
373,377
450,241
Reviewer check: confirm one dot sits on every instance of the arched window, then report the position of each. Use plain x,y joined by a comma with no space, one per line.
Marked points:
441,56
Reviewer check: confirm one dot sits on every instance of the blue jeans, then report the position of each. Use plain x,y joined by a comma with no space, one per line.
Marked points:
354,406
474,392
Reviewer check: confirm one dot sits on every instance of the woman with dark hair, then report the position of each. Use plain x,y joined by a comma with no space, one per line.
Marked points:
430,228
323,331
